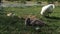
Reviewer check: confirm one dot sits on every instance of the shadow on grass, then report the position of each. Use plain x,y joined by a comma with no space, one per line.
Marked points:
53,17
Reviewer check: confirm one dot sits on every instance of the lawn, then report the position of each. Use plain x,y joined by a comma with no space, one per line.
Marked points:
14,25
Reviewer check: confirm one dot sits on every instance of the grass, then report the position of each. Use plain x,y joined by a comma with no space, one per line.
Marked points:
14,25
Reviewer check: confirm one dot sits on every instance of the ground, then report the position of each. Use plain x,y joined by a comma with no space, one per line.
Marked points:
10,25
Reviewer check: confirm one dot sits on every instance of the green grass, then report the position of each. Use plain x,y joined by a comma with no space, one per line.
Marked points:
13,25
